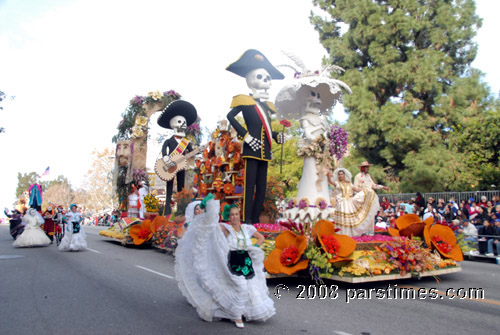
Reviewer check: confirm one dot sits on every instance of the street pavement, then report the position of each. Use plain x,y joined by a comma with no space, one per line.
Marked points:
111,289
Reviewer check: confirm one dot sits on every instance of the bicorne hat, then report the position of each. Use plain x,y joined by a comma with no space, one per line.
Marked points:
176,108
252,60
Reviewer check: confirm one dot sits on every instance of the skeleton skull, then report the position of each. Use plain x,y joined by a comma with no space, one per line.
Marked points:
313,100
179,125
259,80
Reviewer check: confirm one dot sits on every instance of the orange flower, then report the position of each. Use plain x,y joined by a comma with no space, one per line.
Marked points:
283,242
195,179
198,162
409,225
325,228
230,147
158,222
208,165
446,234
205,153
228,189
237,157
203,188
141,233
218,161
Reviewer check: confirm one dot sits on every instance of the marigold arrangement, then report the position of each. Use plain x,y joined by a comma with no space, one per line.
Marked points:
151,202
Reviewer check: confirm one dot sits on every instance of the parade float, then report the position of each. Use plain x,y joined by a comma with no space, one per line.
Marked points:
306,242
130,169
311,244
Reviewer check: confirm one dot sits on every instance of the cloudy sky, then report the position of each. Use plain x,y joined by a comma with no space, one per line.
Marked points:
73,66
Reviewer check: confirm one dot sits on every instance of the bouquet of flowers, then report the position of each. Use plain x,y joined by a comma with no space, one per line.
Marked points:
338,141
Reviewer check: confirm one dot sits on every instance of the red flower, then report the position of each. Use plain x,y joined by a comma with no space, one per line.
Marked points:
143,233
286,123
289,255
330,244
442,245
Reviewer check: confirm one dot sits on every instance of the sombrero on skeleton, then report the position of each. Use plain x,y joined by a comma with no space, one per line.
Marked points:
252,60
175,108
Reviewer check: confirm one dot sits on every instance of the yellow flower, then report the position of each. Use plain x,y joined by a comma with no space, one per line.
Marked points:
141,121
137,132
156,95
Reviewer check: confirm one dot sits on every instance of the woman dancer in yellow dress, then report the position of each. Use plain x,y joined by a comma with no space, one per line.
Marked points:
354,212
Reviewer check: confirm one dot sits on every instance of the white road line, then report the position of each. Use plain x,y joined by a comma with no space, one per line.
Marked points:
338,332
97,252
158,273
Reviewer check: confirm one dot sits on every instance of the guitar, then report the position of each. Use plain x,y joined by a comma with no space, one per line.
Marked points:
166,173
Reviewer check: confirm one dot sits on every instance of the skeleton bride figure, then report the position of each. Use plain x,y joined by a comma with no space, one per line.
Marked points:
309,98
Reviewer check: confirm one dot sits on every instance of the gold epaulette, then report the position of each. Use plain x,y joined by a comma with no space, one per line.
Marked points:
270,105
242,100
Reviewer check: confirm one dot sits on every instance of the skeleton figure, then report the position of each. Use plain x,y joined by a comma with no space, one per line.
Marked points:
257,134
313,123
309,98
177,116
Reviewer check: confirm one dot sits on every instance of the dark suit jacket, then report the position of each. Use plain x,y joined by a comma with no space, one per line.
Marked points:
171,144
254,125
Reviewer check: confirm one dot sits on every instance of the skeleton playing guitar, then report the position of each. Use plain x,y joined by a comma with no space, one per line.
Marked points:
167,173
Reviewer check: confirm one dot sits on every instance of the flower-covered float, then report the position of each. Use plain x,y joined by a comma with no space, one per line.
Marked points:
316,250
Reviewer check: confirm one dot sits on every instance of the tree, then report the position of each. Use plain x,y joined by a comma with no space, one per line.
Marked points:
24,181
59,193
98,181
408,65
292,164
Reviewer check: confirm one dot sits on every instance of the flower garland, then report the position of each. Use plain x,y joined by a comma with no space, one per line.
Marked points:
338,141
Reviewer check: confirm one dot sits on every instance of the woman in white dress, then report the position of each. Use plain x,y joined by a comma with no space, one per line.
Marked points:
74,236
32,235
220,272
354,213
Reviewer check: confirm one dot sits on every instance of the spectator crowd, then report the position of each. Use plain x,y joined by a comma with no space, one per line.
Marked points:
477,219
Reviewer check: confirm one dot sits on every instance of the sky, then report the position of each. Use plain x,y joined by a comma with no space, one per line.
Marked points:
74,65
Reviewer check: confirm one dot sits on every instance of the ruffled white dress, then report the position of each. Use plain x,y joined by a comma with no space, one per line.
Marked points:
355,213
74,236
204,278
32,235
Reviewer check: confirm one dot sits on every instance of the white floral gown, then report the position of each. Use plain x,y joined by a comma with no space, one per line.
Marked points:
33,235
355,213
204,278
74,236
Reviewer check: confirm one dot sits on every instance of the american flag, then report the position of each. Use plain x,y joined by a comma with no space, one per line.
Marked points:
46,172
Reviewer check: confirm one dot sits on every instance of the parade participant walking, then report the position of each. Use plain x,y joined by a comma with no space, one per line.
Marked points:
32,235
16,226
192,210
220,272
74,237
49,226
